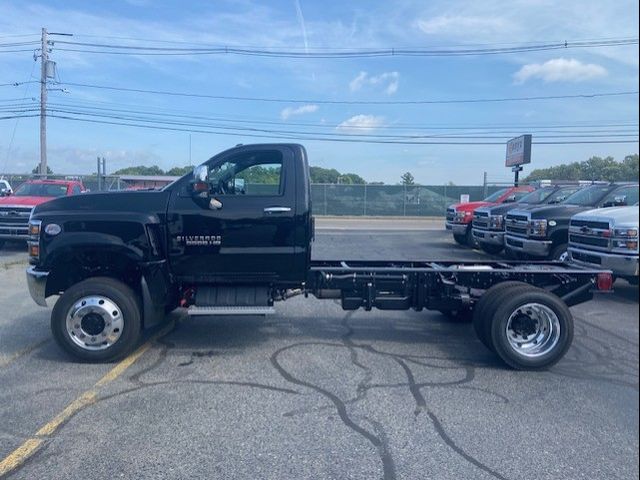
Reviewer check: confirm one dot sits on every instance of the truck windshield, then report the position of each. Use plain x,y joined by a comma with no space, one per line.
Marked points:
495,196
41,190
588,196
537,196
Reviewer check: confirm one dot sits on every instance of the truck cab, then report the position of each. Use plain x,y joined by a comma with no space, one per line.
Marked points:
459,216
543,232
606,238
488,222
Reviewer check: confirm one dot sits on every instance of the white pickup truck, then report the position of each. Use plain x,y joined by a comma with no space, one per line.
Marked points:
607,238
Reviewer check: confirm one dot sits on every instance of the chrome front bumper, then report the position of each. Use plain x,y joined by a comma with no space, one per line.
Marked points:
37,283
490,237
621,265
536,248
457,228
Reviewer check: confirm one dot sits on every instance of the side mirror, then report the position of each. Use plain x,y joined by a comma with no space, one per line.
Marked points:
510,199
200,182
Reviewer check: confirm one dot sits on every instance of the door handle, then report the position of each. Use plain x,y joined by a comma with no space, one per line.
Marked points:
277,209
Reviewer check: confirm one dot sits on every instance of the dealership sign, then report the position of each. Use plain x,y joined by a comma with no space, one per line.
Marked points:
518,151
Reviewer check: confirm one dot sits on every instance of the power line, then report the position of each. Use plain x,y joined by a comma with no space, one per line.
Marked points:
119,49
342,140
351,102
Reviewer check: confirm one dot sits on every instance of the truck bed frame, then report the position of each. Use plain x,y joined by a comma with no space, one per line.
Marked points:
440,285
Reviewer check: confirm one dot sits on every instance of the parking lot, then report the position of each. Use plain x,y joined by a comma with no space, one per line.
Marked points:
317,392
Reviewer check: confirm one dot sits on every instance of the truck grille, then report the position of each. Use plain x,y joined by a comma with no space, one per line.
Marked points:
590,224
451,213
517,224
14,221
590,234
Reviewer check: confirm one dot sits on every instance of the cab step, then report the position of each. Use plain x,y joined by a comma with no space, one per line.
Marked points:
195,310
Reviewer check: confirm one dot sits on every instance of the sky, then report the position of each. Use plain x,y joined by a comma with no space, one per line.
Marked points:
305,26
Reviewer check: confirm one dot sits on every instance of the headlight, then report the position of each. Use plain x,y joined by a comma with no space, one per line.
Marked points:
626,244
626,232
34,227
496,221
460,216
538,228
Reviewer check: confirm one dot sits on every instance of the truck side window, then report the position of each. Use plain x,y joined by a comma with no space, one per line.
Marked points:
249,174
622,197
75,190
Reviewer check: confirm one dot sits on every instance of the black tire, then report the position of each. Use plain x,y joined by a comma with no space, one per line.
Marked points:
460,239
546,358
463,315
470,239
560,252
511,254
488,303
491,249
117,292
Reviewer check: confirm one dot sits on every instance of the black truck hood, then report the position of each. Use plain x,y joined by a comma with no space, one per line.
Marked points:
560,211
122,201
503,208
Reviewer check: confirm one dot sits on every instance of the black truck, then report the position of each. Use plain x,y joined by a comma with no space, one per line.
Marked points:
543,231
235,237
488,222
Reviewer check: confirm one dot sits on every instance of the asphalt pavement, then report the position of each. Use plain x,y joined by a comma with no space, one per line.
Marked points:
314,392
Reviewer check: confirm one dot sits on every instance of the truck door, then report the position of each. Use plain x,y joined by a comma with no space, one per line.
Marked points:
243,228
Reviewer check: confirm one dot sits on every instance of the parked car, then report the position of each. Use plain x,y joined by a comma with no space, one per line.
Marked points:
543,232
460,215
5,188
606,238
16,207
488,222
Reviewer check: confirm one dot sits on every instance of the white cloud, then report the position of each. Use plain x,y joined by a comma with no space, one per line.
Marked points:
361,123
559,70
389,80
291,111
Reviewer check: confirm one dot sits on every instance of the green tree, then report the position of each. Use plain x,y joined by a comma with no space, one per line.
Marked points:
37,170
594,168
140,170
179,171
407,179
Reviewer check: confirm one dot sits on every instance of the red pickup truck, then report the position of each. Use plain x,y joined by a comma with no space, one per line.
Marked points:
15,208
460,215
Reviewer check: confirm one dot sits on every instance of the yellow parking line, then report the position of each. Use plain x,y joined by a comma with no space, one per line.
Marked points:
31,446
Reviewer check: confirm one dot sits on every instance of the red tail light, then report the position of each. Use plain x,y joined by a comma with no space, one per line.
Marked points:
604,282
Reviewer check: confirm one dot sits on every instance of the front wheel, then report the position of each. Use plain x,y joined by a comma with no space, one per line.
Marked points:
470,239
491,249
460,239
560,253
97,320
531,329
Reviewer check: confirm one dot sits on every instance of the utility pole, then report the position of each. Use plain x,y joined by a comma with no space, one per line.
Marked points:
44,58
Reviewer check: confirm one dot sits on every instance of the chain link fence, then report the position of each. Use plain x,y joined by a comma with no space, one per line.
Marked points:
391,200
332,199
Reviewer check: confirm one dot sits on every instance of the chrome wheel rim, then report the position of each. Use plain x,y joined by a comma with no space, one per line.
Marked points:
533,330
94,323
563,257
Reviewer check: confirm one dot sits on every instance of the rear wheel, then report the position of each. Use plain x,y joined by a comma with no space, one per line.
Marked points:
461,239
491,249
484,308
97,320
531,329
